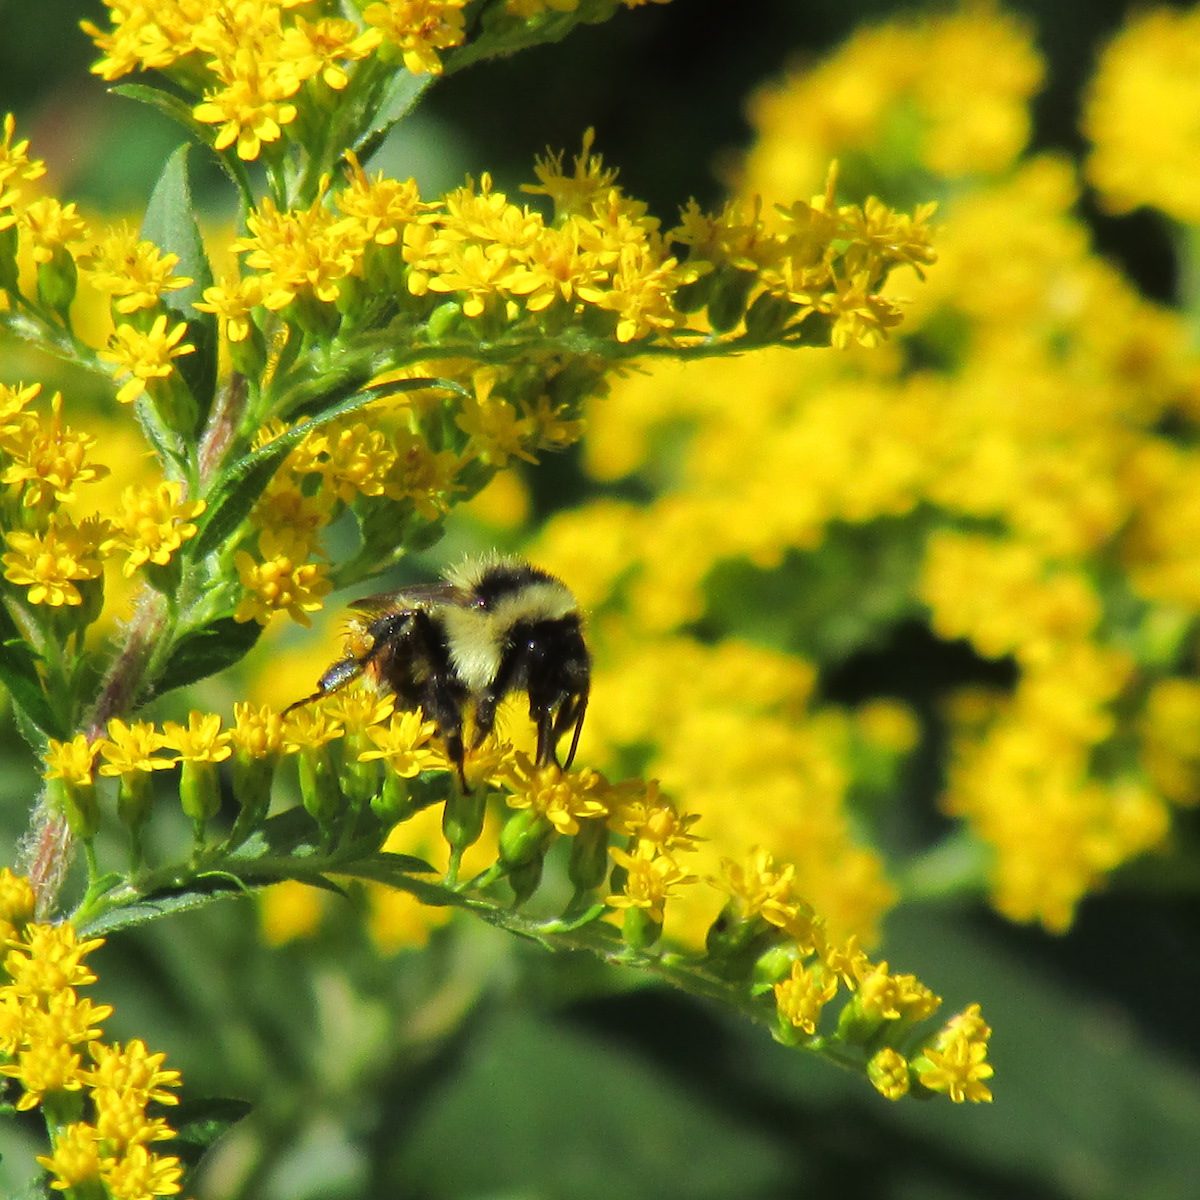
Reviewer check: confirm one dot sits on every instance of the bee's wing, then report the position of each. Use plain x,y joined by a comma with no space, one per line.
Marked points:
418,595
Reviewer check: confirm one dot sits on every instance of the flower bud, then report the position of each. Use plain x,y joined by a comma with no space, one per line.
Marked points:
56,282
589,856
524,880
393,802
133,800
78,805
252,784
9,281
462,819
727,301
639,930
198,792
319,791
524,837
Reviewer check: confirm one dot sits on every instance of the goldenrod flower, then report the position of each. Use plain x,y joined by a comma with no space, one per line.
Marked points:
50,461
201,740
760,890
133,1069
639,810
418,29
257,730
252,108
73,761
17,423
404,745
146,355
48,959
894,997
17,903
16,167
300,253
140,1174
426,478
52,228
52,563
233,301
497,431
288,510
128,749
134,271
154,521
955,1064
561,798
281,581
800,998
650,880
357,461
1139,115
888,1072
359,709
589,181
121,1119
309,728
76,1160
640,292
148,35
381,206
321,47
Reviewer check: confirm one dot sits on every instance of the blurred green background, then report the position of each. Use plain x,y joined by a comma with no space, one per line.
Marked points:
513,1074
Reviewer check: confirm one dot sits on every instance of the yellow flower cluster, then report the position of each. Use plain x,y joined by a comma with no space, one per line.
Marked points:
1032,490
98,1096
55,557
952,87
268,68
880,1009
1140,115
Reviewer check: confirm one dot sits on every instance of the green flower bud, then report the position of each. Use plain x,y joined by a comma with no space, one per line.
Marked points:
56,282
199,792
589,856
767,316
727,302
393,802
443,319
133,800
773,965
252,785
639,930
524,837
9,280
78,806
319,791
524,880
462,819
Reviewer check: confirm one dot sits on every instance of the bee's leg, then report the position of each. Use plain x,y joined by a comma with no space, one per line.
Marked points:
485,718
572,713
442,703
340,674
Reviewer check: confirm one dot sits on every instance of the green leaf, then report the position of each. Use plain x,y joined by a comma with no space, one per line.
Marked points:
199,1123
180,111
18,673
235,495
637,1128
206,651
170,223
399,98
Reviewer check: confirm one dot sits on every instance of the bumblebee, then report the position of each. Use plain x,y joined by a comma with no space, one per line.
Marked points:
490,627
